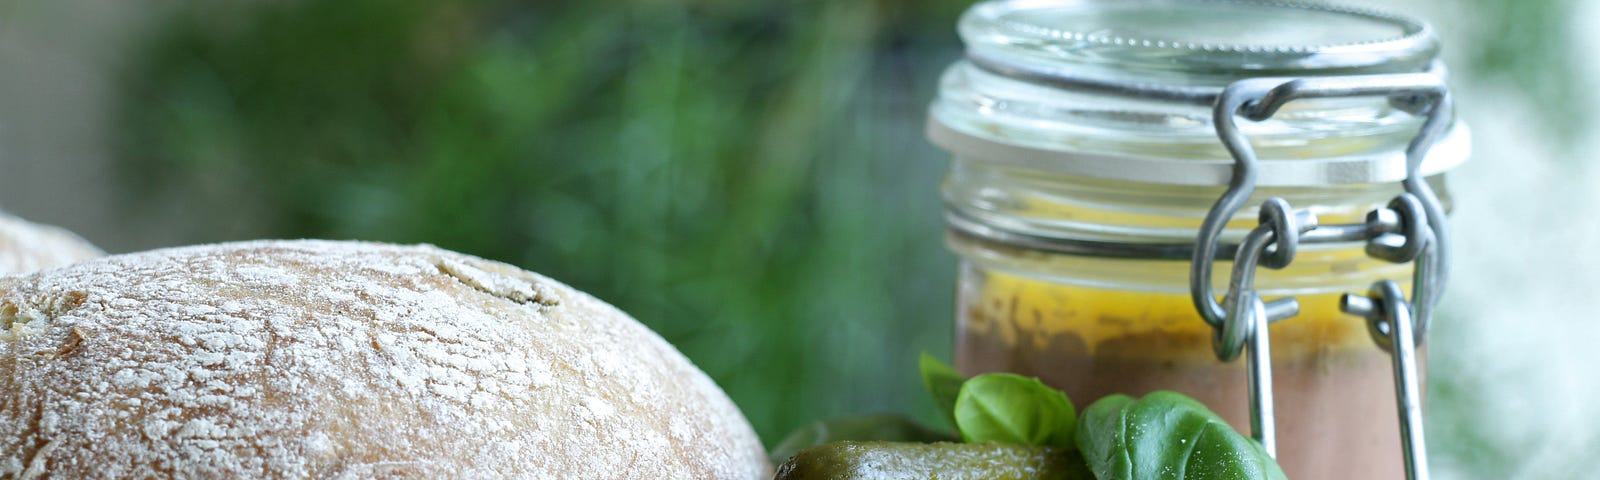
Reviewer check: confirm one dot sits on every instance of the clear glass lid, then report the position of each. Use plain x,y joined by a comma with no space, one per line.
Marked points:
1197,40
993,114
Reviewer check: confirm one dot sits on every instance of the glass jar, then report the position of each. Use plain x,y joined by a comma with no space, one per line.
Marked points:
1074,207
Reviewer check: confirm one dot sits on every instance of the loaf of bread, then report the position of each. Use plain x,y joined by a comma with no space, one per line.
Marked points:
26,246
316,359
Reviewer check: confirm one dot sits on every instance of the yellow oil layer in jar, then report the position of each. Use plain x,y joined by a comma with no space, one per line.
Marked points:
1333,386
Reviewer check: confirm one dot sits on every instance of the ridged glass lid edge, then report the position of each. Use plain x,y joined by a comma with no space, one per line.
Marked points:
1202,37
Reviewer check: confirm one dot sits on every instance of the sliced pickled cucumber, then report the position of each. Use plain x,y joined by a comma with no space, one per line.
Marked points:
944,461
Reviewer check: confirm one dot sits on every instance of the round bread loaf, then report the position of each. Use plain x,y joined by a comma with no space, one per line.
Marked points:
300,359
26,246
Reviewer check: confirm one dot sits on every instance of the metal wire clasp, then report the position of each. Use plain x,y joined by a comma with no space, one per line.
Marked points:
1411,228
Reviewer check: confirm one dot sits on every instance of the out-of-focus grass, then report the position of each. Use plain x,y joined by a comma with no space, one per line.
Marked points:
749,181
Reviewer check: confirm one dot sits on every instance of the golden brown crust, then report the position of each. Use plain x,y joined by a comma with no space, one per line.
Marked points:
344,360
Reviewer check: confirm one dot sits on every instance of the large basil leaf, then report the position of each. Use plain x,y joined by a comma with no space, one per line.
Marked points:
1004,407
1167,435
943,382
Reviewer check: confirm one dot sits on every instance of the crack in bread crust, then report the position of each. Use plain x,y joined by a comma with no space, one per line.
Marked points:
500,286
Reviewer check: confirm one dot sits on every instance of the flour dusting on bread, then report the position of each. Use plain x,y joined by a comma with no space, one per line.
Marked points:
344,360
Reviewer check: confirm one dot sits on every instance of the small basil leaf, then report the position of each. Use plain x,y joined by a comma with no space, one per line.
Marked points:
943,382
885,428
1004,407
1167,435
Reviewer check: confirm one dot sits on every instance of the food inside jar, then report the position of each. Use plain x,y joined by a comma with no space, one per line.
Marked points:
1333,386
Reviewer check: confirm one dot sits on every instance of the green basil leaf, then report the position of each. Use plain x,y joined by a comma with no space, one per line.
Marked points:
884,428
1004,407
943,382
1167,435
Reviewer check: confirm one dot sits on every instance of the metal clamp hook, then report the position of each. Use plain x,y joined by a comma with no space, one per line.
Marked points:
1389,318
1259,99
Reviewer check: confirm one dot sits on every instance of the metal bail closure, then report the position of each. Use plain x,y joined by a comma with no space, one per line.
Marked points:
1390,321
1409,229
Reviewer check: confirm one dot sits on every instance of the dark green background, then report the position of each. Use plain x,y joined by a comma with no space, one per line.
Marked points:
749,180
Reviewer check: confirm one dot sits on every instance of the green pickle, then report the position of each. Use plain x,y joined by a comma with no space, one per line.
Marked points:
943,461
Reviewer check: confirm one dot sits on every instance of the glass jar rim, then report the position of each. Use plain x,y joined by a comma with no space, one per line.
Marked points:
1373,167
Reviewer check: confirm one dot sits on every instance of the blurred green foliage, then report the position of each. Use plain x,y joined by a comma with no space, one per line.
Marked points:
748,179
1526,48
1530,48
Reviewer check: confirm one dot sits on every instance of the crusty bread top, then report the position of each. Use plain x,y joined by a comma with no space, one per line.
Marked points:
26,246
295,359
